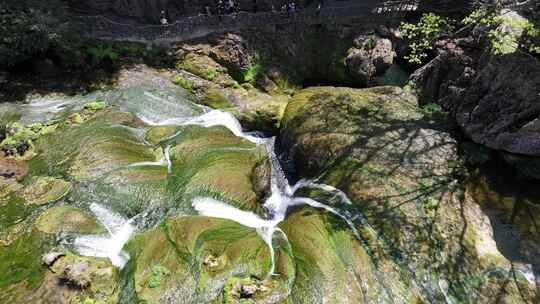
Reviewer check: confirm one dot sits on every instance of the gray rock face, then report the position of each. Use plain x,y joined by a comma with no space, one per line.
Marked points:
3,77
78,274
495,99
371,56
501,108
51,257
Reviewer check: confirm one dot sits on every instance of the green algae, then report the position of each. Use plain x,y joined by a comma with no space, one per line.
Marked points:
186,84
68,219
96,147
13,212
184,244
44,190
157,134
217,100
21,261
214,161
95,105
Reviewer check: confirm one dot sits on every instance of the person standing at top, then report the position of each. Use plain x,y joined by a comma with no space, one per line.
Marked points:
220,8
163,19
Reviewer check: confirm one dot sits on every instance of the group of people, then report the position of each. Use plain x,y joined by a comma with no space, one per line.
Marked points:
224,7
228,7
289,7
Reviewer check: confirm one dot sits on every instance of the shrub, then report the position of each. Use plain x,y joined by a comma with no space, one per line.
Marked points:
102,54
30,27
423,34
158,272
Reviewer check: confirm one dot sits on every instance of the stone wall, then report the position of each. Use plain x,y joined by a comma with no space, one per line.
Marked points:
148,11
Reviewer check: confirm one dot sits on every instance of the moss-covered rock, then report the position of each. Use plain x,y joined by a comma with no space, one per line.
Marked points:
98,146
68,219
204,67
95,105
217,100
95,277
21,266
45,190
334,266
156,134
213,161
7,187
183,247
402,173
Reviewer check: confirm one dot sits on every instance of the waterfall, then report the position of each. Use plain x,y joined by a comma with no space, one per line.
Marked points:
277,205
282,193
165,161
107,246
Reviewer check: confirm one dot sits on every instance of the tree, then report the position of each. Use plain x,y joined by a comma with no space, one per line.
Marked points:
30,27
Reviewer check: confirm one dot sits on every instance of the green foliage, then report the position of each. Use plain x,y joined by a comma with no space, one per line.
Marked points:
253,71
29,27
211,74
506,33
158,272
102,54
96,105
187,84
423,34
433,111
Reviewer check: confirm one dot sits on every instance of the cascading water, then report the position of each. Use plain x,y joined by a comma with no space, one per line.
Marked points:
158,108
110,246
165,161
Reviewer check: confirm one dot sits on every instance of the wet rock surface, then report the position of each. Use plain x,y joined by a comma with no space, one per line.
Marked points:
401,170
406,228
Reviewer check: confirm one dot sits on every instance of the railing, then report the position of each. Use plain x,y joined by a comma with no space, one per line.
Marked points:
197,26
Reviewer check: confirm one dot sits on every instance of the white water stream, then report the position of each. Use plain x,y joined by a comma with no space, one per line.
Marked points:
109,246
281,198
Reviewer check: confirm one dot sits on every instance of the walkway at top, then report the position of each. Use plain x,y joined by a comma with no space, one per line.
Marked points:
100,27
198,26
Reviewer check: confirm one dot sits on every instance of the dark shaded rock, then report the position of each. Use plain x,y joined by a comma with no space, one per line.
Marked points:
451,70
4,77
11,168
527,165
46,67
446,6
495,99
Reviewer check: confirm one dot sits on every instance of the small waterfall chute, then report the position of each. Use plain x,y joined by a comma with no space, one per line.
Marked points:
107,246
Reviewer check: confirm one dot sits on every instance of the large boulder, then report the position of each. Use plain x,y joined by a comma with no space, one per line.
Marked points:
99,146
493,98
213,161
401,172
193,259
370,56
68,219
46,190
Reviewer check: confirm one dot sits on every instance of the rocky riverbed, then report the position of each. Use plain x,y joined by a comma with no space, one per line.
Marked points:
254,173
